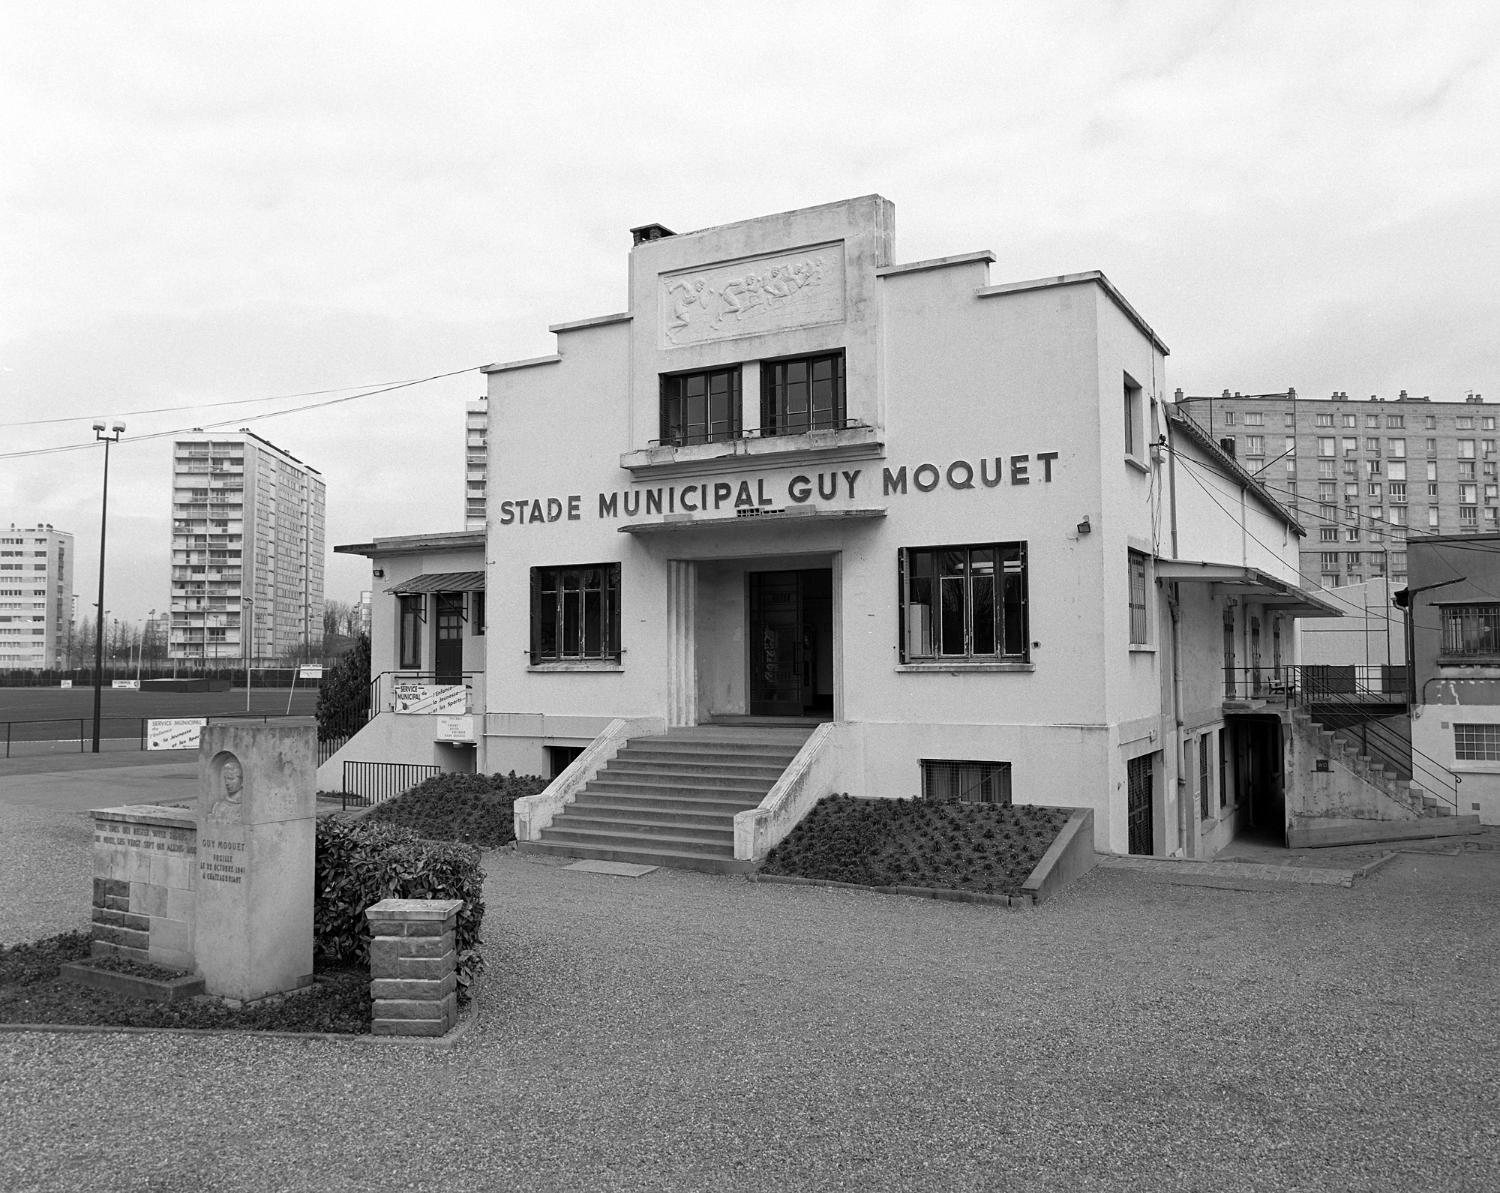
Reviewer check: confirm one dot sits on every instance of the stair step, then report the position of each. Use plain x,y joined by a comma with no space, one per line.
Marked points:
673,859
698,770
724,793
709,845
721,830
673,811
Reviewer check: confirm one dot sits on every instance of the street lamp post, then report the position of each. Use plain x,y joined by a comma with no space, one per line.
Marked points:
106,438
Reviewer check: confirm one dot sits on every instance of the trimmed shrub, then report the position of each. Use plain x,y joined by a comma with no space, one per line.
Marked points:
361,862
474,809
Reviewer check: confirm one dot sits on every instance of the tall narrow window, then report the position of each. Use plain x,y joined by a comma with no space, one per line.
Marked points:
1133,417
1139,623
1205,790
700,407
410,615
801,395
575,614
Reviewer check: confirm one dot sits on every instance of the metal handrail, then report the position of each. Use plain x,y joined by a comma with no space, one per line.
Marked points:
1389,748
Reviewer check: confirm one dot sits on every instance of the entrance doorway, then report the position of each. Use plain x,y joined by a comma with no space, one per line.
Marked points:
1258,777
790,643
448,649
1140,807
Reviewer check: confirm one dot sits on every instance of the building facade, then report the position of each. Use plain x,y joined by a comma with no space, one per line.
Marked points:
476,431
952,522
36,597
247,551
1361,475
1454,610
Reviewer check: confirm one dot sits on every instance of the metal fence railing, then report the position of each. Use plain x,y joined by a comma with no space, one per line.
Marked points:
75,735
374,782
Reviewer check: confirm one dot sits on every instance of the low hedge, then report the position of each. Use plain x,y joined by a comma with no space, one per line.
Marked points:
473,808
361,862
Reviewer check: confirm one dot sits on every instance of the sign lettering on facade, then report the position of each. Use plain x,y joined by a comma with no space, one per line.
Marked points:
986,472
426,698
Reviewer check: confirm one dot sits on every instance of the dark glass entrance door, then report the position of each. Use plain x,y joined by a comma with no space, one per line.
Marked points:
791,643
448,652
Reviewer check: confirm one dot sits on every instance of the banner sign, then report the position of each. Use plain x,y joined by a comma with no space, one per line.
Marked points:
453,729
174,733
133,684
310,671
67,683
426,698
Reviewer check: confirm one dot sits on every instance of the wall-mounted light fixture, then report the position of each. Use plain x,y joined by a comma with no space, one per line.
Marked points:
1084,527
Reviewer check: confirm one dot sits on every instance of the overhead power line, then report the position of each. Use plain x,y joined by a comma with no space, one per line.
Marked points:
241,420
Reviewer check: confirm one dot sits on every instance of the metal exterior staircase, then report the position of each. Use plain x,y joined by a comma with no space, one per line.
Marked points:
670,799
1404,792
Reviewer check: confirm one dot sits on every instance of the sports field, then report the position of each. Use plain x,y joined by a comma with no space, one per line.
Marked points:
33,718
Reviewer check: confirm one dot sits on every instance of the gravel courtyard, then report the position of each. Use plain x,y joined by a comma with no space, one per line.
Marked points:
687,1032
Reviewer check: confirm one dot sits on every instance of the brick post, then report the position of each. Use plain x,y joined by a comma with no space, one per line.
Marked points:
413,966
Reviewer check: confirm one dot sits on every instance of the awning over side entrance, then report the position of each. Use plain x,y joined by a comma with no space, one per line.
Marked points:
1271,591
440,582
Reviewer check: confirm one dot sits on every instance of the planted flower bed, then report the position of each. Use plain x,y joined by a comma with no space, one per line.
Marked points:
986,848
34,990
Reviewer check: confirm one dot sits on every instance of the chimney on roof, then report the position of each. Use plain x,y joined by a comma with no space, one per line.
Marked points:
1225,394
1291,393
1177,396
1402,398
649,232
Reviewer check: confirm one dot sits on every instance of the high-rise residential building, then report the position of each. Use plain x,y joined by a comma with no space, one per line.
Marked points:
247,550
36,597
476,429
1360,474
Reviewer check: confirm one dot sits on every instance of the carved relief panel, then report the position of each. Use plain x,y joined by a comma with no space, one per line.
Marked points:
752,296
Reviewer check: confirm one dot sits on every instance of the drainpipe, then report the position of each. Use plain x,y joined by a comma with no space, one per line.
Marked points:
1186,817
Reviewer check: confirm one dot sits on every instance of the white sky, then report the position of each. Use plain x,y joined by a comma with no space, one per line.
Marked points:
204,203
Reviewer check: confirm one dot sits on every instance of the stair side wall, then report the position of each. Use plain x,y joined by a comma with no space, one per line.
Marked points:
1339,791
535,812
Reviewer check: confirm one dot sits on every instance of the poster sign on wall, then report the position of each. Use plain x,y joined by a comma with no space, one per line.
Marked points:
310,671
174,733
453,729
132,684
426,698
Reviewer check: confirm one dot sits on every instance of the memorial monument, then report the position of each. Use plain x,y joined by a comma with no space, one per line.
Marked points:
253,931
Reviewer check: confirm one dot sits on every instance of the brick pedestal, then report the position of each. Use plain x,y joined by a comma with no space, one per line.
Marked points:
413,966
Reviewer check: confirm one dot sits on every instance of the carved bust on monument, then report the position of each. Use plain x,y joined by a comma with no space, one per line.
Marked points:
228,787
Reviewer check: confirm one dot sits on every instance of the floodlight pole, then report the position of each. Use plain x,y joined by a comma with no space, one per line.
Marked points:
106,438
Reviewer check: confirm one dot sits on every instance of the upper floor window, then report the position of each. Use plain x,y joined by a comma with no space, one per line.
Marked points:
964,602
1324,420
1372,420
1465,422
1132,406
1139,622
1254,418
1471,629
700,407
1395,420
803,394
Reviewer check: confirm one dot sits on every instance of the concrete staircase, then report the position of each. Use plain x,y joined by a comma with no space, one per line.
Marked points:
670,799
1409,798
